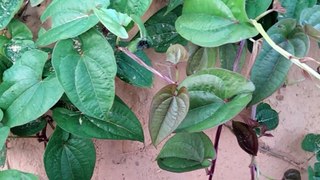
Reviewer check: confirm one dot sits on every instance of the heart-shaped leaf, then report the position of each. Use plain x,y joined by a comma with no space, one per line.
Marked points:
30,128
86,72
202,58
216,96
256,7
270,68
15,174
310,18
246,137
211,23
120,124
69,157
162,31
168,109
132,72
69,19
311,143
294,7
113,21
137,7
268,118
24,95
8,8
186,152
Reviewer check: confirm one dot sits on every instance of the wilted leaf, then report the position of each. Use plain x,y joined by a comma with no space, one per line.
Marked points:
246,137
176,53
186,152
169,107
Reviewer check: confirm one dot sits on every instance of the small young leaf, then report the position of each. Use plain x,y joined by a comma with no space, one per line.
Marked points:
120,124
311,143
86,72
186,152
310,18
113,21
24,95
270,68
256,7
15,174
172,5
168,109
263,106
69,157
8,8
208,90
211,23
162,31
291,174
294,8
132,72
176,53
246,137
137,7
268,118
202,58
30,128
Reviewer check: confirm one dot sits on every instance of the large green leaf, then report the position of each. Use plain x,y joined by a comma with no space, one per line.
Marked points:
270,68
211,23
68,157
162,31
30,128
216,96
121,123
113,21
137,7
295,7
310,18
132,72
202,58
24,95
256,7
15,174
186,152
69,19
8,8
86,68
168,109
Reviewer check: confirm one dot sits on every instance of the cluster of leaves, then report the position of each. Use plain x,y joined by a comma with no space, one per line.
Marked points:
75,79
311,143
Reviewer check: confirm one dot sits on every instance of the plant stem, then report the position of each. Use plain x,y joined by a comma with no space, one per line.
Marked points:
238,57
283,52
139,61
216,144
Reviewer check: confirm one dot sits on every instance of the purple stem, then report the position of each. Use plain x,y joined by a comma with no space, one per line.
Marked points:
252,170
139,61
238,57
216,144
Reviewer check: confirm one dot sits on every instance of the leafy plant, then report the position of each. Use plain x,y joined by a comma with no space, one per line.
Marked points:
65,79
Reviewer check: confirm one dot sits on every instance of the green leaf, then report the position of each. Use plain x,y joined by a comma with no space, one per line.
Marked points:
8,8
15,174
30,128
310,18
268,118
318,156
69,157
270,68
137,7
86,72
294,7
3,155
211,23
69,19
35,2
24,95
1,115
186,152
113,21
132,72
162,31
256,7
202,58
168,109
216,96
4,133
263,106
311,143
228,54
18,29
172,5
120,124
